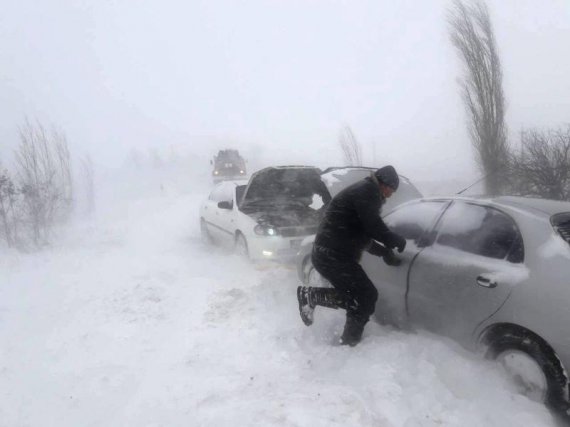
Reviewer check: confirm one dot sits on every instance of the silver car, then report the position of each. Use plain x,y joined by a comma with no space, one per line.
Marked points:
492,274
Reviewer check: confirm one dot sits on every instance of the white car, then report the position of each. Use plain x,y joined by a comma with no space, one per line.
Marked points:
267,218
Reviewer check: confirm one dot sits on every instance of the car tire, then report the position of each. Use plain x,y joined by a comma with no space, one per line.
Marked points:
205,235
241,247
535,355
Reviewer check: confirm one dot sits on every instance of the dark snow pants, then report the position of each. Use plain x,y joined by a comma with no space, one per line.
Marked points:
355,291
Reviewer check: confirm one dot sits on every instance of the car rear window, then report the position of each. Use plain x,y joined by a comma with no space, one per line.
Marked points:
561,223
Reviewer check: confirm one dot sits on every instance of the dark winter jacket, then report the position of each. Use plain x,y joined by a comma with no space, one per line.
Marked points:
352,222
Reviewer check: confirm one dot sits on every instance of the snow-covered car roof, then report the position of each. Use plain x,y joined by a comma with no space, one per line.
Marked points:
338,178
537,206
549,207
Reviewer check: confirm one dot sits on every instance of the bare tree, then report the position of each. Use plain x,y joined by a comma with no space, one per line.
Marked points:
482,87
8,209
63,162
89,182
542,167
44,172
350,147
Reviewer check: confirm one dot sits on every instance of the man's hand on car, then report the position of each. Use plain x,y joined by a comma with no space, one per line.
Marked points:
391,259
395,241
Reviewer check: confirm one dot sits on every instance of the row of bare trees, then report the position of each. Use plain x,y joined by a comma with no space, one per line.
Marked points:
540,167
39,194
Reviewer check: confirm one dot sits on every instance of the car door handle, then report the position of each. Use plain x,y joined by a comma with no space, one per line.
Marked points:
486,282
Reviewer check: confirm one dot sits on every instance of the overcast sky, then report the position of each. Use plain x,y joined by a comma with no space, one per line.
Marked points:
274,78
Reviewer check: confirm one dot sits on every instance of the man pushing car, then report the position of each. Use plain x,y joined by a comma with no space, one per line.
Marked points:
351,225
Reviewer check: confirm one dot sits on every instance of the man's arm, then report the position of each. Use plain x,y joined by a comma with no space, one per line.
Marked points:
377,249
368,210
383,252
369,214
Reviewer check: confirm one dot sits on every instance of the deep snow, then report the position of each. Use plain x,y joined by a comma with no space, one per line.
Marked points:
129,320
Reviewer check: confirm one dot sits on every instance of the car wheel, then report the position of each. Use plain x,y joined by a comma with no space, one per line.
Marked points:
534,367
241,246
204,233
312,276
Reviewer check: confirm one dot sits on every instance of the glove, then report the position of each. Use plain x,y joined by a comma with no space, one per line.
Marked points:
391,259
394,240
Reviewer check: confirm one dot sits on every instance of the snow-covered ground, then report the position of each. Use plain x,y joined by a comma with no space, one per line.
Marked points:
129,320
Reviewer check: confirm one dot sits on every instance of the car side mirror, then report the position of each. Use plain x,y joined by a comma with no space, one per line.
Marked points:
225,205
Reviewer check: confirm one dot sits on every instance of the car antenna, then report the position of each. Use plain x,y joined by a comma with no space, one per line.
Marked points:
475,183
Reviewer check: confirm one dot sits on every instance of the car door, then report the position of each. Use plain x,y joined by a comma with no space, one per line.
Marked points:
212,215
468,273
414,221
226,215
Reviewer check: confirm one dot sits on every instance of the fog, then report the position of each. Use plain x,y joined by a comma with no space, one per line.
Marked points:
125,315
277,80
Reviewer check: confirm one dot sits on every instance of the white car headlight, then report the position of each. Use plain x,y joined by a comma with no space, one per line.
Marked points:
264,230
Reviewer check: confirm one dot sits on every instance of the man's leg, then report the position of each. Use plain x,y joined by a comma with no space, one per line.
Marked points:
309,297
353,291
327,264
361,295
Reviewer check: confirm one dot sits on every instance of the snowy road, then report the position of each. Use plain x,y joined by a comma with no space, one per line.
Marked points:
132,321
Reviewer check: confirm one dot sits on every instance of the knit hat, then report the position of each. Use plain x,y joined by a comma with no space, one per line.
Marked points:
388,176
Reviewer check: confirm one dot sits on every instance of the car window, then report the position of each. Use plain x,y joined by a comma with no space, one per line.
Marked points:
482,231
411,221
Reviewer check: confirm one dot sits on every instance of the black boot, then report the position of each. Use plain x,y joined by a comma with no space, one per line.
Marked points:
306,308
352,333
327,297
310,297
